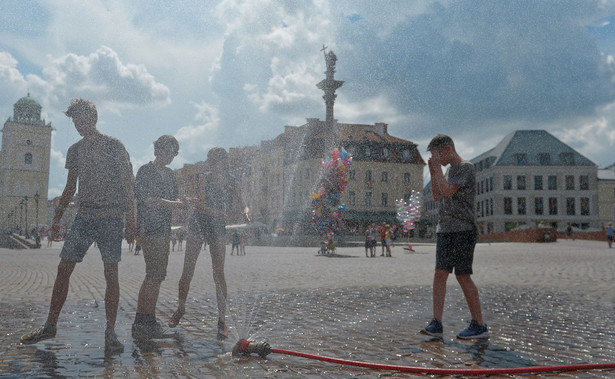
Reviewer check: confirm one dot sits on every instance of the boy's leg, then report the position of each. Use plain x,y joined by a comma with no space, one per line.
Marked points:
112,293
60,290
193,249
217,249
439,293
472,297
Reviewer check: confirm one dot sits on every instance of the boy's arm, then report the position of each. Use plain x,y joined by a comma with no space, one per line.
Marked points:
439,186
67,196
131,224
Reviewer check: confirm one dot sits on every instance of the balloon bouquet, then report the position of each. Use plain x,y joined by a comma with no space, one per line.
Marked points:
408,212
327,212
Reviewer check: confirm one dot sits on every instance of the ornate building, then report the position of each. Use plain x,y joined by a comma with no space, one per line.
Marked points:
24,167
278,176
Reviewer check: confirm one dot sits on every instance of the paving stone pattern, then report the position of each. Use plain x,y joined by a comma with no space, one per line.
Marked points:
545,304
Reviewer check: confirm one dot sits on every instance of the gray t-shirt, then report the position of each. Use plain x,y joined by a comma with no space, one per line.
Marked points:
457,214
100,164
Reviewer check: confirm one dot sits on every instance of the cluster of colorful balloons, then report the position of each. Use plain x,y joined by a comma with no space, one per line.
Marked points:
327,212
410,211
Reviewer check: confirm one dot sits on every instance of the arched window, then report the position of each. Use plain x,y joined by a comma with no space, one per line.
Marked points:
28,158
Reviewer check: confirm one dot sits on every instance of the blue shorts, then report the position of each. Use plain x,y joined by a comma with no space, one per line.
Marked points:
107,233
455,251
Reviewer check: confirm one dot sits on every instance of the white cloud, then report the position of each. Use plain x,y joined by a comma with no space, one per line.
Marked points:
104,78
195,139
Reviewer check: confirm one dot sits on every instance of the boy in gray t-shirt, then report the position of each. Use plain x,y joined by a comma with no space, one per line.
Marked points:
456,234
99,167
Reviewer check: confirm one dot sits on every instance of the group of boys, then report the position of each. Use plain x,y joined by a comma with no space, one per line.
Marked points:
101,167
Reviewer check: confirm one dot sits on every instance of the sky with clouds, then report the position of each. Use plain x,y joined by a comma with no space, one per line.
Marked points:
231,73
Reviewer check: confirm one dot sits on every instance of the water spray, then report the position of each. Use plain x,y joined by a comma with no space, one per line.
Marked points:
263,349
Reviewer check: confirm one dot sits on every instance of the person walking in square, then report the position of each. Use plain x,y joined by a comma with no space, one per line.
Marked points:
456,234
100,166
219,203
609,234
157,195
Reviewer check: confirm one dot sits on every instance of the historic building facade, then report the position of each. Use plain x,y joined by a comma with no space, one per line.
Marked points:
606,195
24,167
278,176
532,178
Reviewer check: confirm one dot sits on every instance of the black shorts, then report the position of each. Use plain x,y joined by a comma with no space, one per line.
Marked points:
455,251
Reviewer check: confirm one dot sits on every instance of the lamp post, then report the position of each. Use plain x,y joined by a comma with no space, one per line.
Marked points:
26,199
20,215
36,198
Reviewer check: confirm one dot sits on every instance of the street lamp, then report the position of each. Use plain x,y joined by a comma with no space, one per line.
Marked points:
20,216
36,197
26,199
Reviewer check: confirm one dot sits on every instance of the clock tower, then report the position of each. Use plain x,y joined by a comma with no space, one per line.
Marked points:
24,167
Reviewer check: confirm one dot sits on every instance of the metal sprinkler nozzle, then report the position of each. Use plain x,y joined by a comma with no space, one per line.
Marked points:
246,347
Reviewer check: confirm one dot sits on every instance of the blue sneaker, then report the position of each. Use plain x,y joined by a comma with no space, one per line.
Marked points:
474,330
434,329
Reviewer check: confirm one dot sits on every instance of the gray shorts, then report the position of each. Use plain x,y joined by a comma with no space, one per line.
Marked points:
156,255
107,233
456,251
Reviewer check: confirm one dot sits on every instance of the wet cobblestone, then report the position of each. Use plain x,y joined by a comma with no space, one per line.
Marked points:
546,304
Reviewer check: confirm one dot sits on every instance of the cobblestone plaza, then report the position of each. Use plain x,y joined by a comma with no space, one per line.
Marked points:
545,304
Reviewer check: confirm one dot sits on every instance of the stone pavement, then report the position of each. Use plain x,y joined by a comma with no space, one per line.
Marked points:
546,304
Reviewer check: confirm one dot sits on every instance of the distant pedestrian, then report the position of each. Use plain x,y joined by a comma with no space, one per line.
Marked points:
609,234
456,234
235,241
101,167
173,241
569,232
388,239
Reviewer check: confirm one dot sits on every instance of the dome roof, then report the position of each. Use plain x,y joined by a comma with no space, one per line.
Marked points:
28,101
27,109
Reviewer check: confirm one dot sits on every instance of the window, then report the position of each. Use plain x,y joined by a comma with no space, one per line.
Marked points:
567,159
544,159
367,151
552,182
570,206
585,206
385,153
351,174
521,159
406,177
384,199
507,182
406,155
521,182
521,205
538,206
491,207
553,206
508,205
352,198
584,182
28,158
537,182
368,175
569,182
491,183
368,199
384,177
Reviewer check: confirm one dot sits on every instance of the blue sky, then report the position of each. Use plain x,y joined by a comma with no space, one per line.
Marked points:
231,73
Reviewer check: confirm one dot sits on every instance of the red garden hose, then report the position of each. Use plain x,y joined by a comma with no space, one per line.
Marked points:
263,349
